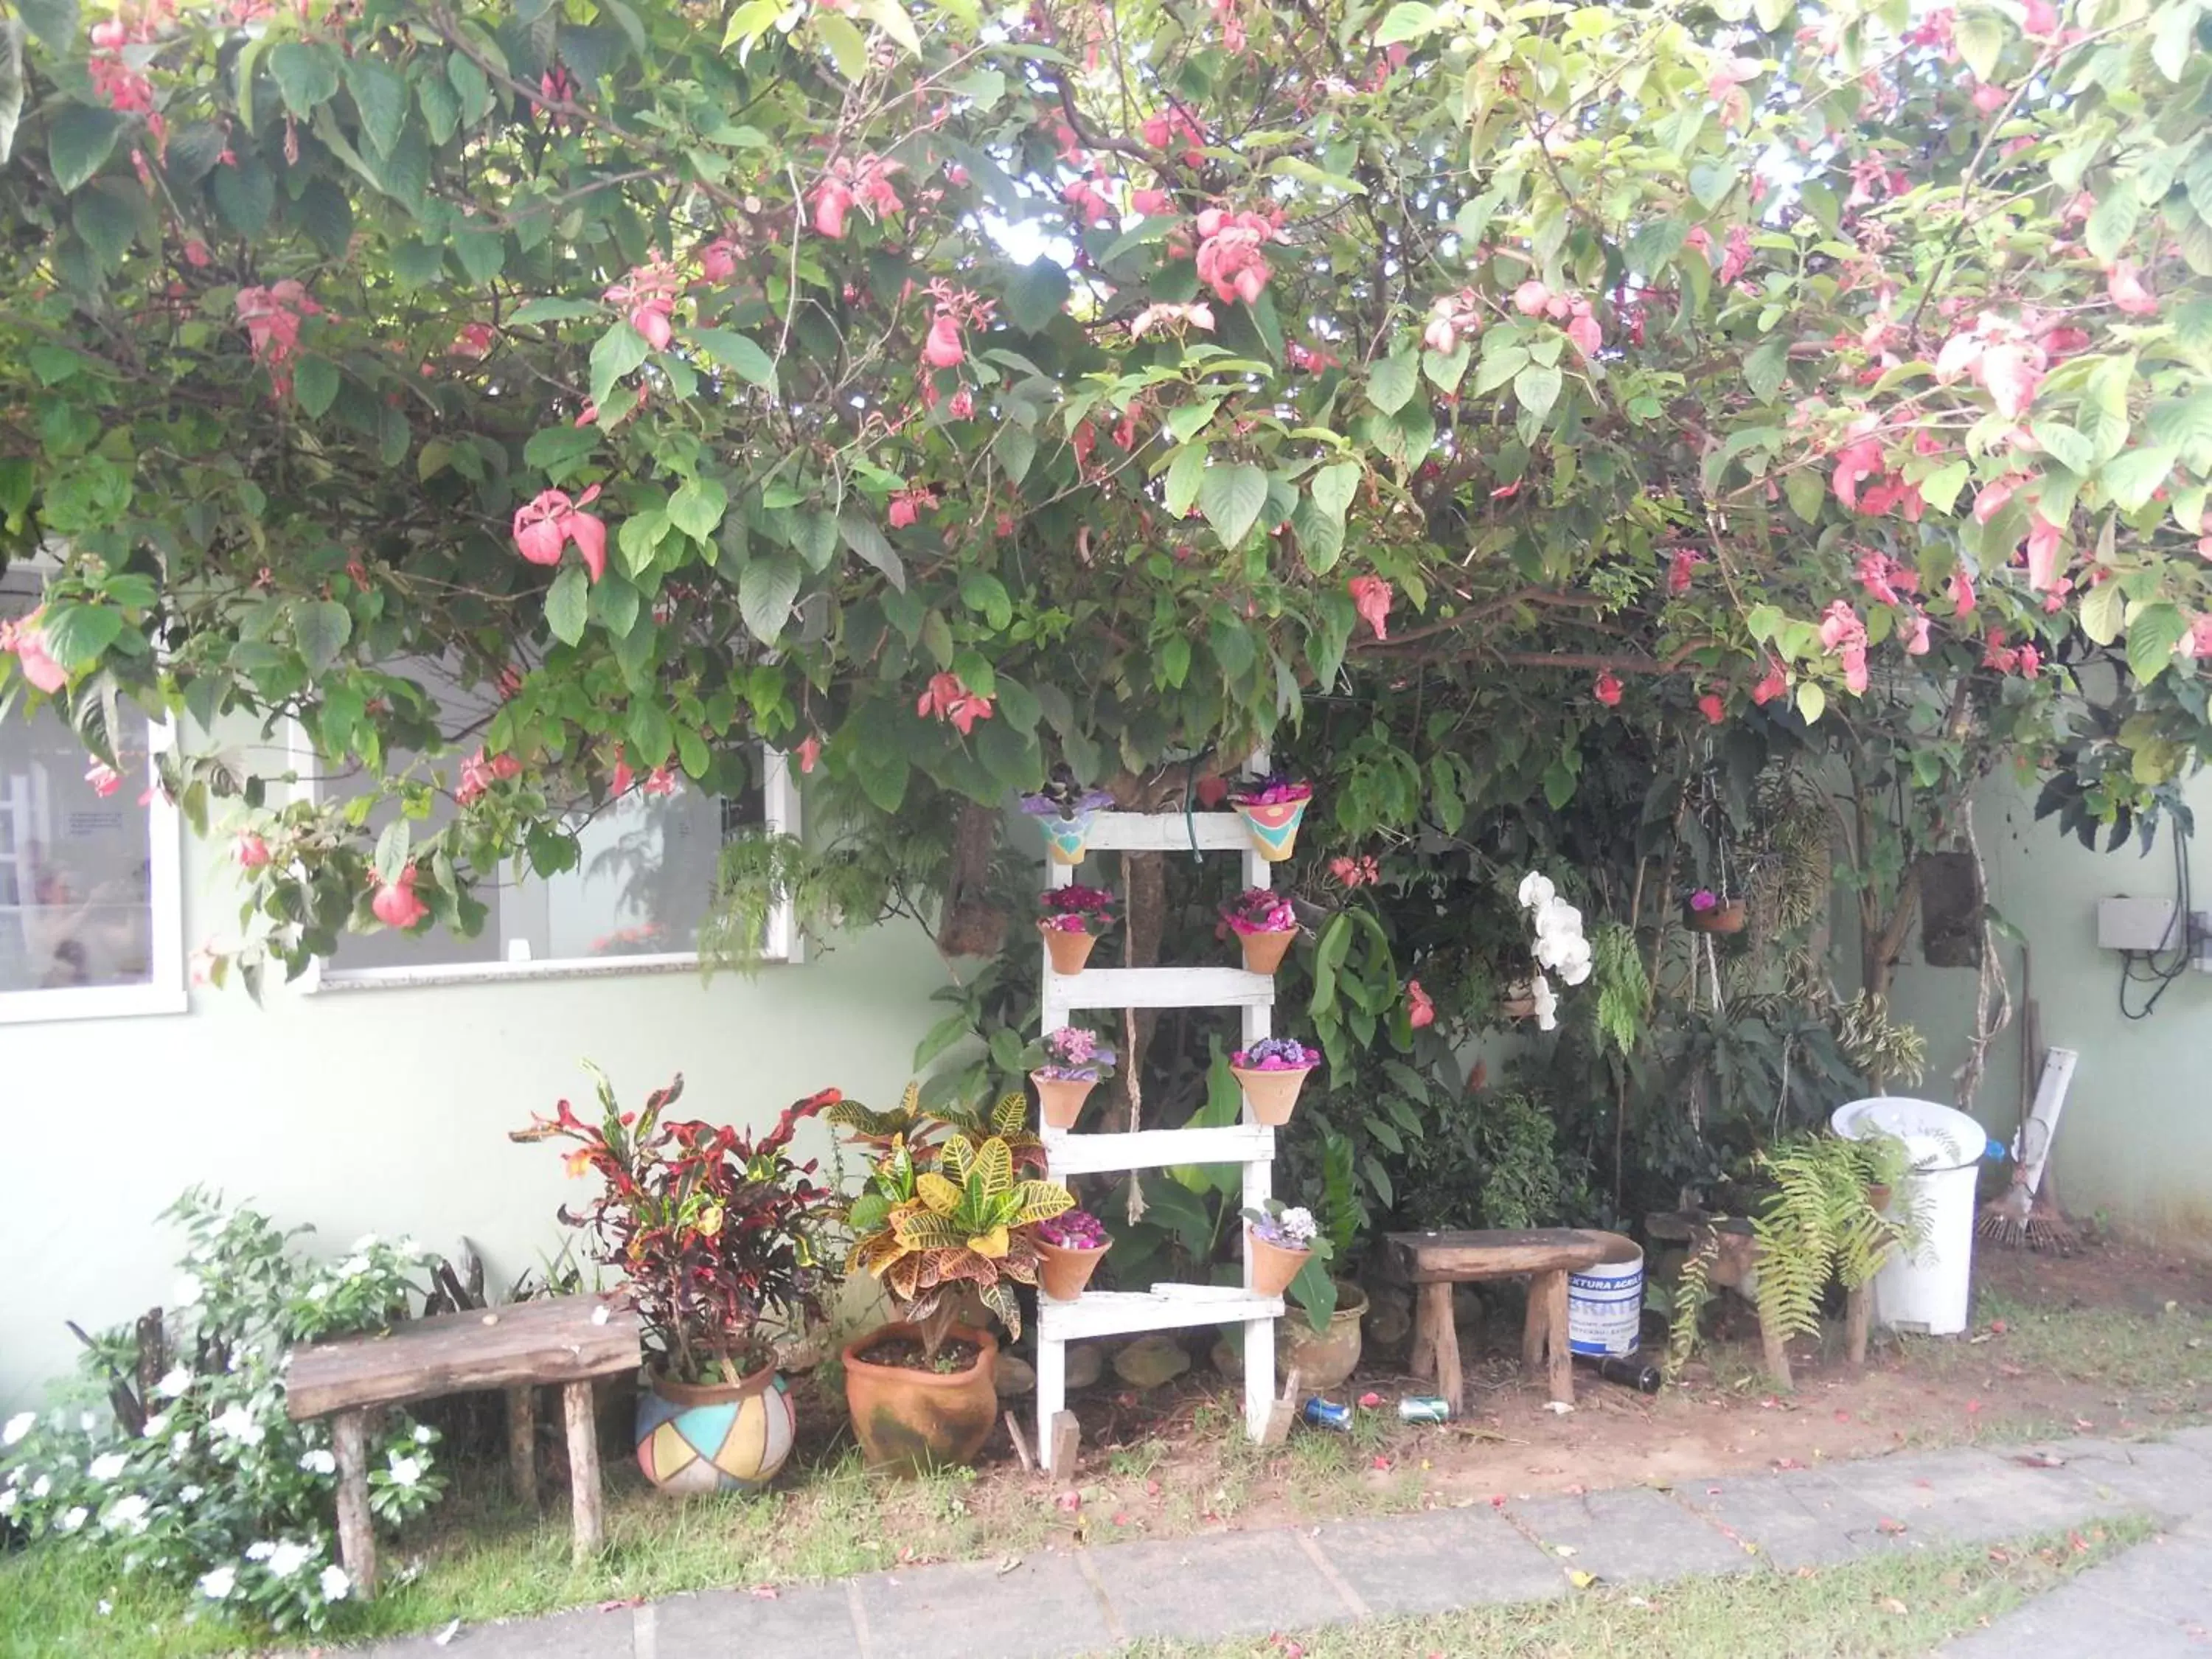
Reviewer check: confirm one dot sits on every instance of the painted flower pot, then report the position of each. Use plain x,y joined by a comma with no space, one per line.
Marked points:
1068,950
908,1420
1062,1273
713,1436
1264,953
1273,1266
1325,1357
1060,1099
1274,826
1065,840
1274,1095
1726,917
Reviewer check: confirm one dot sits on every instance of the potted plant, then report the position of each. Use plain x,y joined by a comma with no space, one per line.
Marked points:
931,1220
1271,1072
718,1238
1064,811
1065,1065
1282,1242
1069,1247
1706,912
1271,809
1075,916
1264,924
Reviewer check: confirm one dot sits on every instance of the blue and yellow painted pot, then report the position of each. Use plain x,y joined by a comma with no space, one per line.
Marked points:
716,1436
1065,840
1274,826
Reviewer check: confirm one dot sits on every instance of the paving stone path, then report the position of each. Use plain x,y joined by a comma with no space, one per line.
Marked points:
2153,1601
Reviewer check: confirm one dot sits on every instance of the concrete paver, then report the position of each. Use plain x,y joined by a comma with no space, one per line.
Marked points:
1629,1533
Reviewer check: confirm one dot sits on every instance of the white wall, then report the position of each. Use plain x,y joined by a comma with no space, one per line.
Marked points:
385,1110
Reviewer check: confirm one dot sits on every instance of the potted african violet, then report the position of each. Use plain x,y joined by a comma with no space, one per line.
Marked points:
1282,1241
1064,811
942,1212
1271,809
1271,1072
1069,1247
1264,924
719,1238
1706,912
1065,1065
1075,916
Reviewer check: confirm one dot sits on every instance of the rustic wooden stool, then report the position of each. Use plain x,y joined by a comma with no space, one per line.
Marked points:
1435,1262
568,1340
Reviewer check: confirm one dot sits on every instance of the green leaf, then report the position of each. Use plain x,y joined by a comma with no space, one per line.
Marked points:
868,543
1186,471
555,450
2153,632
76,633
1408,20
11,83
1764,369
2184,424
554,311
568,604
765,590
1445,371
1335,485
739,353
845,45
379,93
1806,493
1392,382
2102,607
2114,221
306,73
321,628
616,602
980,590
1035,294
1711,183
1321,537
327,216
1941,488
391,849
1175,661
890,17
1231,497
1016,446
2130,476
315,384
1980,37
698,507
53,22
2064,444
1811,701
2102,414
1537,388
79,141
619,351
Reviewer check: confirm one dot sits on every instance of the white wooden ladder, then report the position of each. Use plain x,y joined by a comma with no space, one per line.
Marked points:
1252,1144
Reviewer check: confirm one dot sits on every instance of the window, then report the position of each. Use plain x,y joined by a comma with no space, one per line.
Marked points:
635,901
90,922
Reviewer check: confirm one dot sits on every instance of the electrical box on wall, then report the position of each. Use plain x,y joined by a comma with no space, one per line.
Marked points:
2136,924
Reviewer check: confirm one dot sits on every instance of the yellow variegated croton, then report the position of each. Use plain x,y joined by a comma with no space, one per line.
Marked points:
934,1217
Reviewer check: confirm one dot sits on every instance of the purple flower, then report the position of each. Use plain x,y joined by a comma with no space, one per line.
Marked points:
1703,899
1074,1229
1276,1055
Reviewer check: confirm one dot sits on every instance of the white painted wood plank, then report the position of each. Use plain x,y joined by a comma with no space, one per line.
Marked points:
1168,832
1157,987
1071,1153
1166,1307
1051,1391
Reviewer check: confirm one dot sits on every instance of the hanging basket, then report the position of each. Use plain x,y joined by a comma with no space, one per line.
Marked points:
1059,1099
1264,953
1273,826
1066,839
1069,950
1725,917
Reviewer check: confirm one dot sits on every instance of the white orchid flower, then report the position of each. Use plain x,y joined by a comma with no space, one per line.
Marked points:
1547,1003
1557,919
1536,890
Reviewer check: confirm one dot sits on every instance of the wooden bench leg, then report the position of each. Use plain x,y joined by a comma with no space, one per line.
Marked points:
1534,1328
1441,1335
1858,1318
1553,1286
357,1538
583,1469
522,1444
1431,1308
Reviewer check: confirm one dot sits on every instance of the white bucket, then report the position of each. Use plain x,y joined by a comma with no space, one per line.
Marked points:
1926,1290
1605,1302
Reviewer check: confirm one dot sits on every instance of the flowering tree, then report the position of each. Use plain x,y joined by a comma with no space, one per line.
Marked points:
937,394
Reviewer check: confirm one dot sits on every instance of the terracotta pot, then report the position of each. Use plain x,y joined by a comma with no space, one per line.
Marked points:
1060,1099
1726,917
1264,953
908,1421
1325,1357
1273,1268
1520,1007
1274,827
1274,1095
713,1436
1068,950
1062,1273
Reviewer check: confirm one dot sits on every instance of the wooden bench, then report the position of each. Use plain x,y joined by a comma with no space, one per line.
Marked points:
567,1340
1435,1262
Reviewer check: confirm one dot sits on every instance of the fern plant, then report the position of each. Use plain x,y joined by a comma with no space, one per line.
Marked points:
1819,1223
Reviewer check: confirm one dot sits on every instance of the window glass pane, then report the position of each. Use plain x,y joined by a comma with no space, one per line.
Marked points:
436,946
76,870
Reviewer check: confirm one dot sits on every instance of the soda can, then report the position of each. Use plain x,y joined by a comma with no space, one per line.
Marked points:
1327,1414
1424,1408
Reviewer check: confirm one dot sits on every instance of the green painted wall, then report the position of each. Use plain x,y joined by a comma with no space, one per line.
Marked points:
386,1110
2135,1142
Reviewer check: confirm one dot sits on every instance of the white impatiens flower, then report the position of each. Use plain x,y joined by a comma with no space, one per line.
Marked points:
189,1495
1536,890
261,1551
42,1485
179,1443
127,1514
76,1518
353,1267
156,1426
424,1434
406,1471
318,1462
17,1427
8,1499
1547,1003
176,1384
216,1586
187,1290
335,1583
237,1424
108,1465
287,1558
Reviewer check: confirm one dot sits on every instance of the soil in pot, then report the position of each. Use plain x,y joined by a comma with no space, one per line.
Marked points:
907,1353
714,1437
909,1416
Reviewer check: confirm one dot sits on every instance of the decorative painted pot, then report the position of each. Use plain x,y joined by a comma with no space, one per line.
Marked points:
1274,826
908,1420
1066,839
1059,1099
1274,1095
1062,1273
1273,1266
1325,1357
1726,917
1264,953
1068,950
714,1437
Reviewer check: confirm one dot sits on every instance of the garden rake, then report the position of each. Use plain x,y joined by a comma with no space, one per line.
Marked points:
2024,1213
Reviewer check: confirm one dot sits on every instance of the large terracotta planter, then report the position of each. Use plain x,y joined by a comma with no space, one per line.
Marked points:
1274,827
1068,950
1062,1273
713,1436
1273,1268
1274,1095
908,1421
1059,1099
1264,953
1727,917
1323,1359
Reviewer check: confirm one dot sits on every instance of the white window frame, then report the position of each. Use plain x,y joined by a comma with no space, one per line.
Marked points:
780,816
